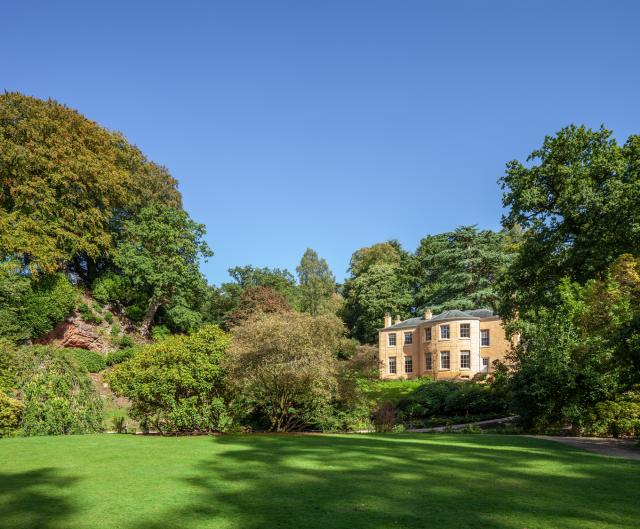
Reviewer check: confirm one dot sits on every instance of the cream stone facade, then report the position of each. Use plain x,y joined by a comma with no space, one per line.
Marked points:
452,345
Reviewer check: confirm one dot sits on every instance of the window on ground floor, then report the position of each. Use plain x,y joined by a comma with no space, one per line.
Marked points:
428,362
408,364
393,368
465,359
445,360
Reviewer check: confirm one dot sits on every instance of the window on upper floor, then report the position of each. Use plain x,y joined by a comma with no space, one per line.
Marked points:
465,330
484,337
427,334
408,364
465,359
428,362
393,368
408,338
445,362
444,332
392,339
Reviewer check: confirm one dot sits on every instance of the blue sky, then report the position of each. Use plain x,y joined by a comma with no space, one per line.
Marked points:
332,124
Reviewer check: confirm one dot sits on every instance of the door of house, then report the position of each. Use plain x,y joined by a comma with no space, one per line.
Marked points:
484,366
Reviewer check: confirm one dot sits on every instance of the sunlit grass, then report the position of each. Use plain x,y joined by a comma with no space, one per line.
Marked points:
313,481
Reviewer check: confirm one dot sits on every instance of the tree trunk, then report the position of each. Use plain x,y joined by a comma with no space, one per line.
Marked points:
154,305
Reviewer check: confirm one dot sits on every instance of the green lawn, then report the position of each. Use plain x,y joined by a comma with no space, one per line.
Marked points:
328,482
391,390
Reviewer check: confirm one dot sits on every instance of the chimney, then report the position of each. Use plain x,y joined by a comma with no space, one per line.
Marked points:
428,314
398,320
387,320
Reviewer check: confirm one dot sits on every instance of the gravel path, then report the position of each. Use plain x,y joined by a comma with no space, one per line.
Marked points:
626,448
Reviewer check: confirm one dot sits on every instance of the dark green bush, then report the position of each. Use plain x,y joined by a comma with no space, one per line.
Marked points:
447,398
51,300
110,288
57,396
89,360
117,357
125,342
108,317
159,332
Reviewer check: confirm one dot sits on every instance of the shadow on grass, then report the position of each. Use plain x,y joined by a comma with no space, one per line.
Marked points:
26,501
380,481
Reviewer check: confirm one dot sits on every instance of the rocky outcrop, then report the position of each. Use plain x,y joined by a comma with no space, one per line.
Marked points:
76,333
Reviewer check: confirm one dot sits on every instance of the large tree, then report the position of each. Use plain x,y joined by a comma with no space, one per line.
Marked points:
67,184
578,201
460,269
159,255
317,282
380,282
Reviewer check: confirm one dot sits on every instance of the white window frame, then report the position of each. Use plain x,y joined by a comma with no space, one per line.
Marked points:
408,359
442,353
408,335
389,336
482,337
467,326
393,371
448,328
468,355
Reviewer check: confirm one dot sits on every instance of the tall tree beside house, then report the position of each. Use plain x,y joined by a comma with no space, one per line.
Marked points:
67,185
460,269
380,282
317,283
159,255
578,201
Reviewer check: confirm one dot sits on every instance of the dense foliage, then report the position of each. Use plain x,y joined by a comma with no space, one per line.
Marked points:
284,369
176,384
55,395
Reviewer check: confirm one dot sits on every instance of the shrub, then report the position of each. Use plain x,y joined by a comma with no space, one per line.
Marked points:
159,332
109,288
119,424
51,300
385,417
617,418
125,342
117,357
91,361
57,396
176,384
10,414
108,317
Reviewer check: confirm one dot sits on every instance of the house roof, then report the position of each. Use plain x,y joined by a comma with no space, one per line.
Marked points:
447,315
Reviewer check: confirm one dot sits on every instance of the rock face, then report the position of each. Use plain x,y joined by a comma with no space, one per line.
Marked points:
77,334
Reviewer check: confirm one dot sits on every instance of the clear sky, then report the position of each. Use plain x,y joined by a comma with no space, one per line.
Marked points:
331,124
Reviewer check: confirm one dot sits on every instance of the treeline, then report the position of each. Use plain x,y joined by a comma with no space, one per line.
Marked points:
83,211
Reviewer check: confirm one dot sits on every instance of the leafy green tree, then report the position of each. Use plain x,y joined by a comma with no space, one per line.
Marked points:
317,283
380,282
460,269
159,255
255,301
176,384
578,201
221,302
283,368
369,296
66,185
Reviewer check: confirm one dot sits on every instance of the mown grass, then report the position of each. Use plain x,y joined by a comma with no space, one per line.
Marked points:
390,390
324,481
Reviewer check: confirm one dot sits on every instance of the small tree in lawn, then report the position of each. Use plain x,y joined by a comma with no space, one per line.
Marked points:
176,384
159,255
283,367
